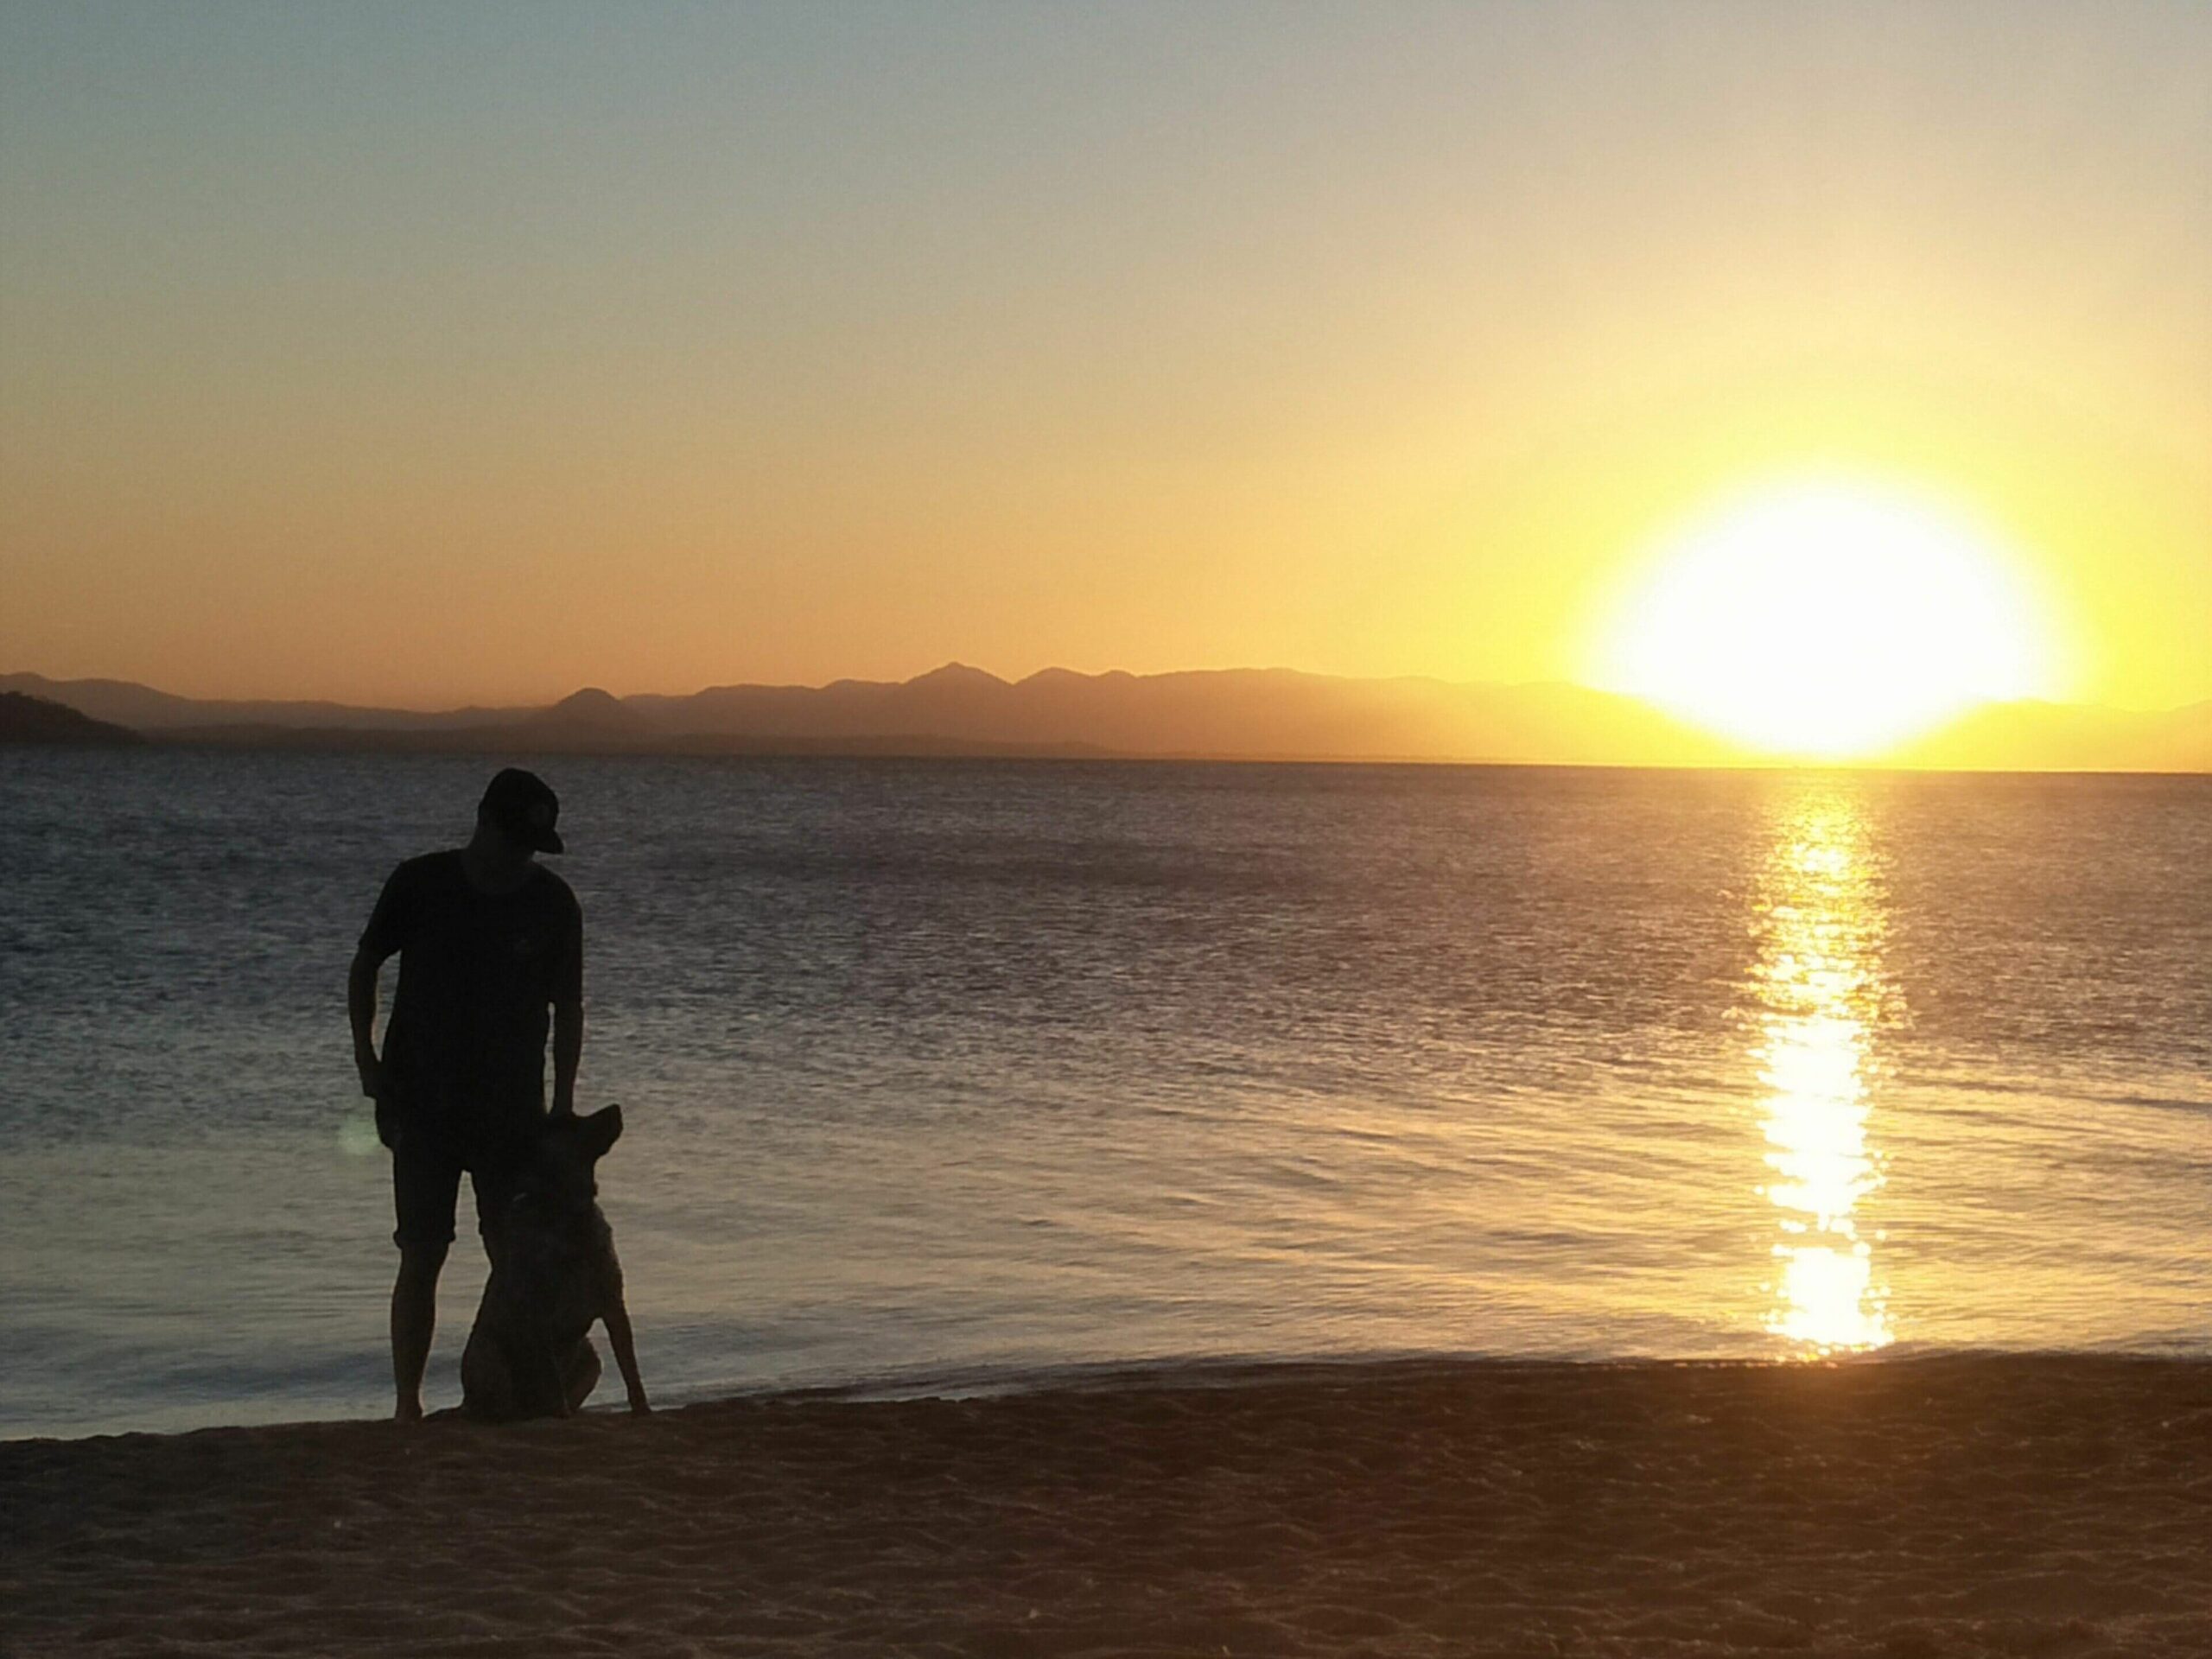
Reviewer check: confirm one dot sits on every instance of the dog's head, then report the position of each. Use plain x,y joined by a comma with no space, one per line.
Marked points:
567,1148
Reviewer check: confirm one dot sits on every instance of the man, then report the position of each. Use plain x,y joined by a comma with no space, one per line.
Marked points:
488,940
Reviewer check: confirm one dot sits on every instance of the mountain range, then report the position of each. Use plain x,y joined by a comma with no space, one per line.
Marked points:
1232,714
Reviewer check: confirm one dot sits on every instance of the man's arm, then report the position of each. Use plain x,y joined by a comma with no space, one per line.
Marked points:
380,940
569,1017
361,1009
567,1053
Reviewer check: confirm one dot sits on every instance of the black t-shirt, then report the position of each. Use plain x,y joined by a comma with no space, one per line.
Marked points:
477,973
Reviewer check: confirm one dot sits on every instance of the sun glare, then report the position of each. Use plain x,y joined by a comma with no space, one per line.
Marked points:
1826,620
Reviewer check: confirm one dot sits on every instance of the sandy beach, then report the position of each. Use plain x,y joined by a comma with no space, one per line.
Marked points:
1945,1506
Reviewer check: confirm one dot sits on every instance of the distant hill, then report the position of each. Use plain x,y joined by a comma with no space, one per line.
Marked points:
147,711
1228,713
592,711
35,719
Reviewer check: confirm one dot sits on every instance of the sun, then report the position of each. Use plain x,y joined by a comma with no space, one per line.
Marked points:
1826,620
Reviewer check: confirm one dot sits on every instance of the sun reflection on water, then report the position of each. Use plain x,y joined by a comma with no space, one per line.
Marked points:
1818,990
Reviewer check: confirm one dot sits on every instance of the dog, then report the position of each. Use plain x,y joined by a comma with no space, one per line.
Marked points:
554,1275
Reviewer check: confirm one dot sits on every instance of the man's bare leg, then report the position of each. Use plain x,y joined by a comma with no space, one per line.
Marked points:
414,1321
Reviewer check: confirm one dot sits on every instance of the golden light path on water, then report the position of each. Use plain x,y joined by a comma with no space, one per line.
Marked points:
1819,989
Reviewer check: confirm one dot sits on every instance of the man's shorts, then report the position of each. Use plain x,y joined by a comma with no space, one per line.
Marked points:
426,1191
427,1166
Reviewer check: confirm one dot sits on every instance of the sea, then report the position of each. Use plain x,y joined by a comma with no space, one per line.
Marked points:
967,1076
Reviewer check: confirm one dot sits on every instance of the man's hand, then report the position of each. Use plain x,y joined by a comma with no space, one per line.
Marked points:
374,1086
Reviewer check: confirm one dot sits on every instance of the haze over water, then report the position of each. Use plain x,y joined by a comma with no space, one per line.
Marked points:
977,1071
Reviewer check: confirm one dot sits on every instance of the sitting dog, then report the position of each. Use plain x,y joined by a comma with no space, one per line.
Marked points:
553,1274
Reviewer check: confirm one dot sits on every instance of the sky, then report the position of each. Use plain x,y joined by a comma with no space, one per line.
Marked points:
431,354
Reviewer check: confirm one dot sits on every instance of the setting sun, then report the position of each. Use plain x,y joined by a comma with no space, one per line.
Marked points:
1827,619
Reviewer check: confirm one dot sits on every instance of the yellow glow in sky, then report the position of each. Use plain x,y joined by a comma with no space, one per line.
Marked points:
1828,619
474,353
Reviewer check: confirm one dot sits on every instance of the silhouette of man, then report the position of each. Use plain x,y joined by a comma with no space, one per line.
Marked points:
488,939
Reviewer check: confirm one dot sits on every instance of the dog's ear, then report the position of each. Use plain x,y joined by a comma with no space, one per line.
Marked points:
600,1129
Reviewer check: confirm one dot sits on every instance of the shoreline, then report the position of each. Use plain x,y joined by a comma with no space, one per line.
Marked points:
1180,1371
1923,1504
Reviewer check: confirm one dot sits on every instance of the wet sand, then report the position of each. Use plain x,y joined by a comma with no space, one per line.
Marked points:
1937,1507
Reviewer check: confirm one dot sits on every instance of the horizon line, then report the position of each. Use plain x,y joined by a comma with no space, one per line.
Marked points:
955,666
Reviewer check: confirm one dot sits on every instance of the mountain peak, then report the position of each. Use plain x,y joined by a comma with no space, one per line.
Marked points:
589,708
591,698
954,674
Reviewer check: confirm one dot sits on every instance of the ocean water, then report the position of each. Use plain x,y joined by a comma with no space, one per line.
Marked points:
948,1074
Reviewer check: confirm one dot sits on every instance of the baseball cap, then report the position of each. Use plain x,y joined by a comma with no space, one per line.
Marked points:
523,807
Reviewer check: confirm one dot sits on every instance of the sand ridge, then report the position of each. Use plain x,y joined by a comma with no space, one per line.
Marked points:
1942,1506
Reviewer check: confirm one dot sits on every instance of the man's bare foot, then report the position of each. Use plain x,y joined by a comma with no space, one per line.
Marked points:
408,1411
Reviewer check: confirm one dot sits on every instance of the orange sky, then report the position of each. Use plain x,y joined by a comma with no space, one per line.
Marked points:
474,353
